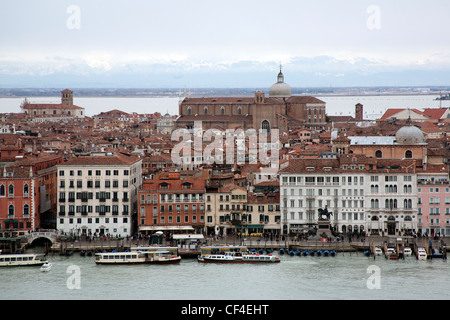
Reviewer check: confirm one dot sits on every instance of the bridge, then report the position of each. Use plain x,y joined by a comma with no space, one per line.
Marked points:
49,235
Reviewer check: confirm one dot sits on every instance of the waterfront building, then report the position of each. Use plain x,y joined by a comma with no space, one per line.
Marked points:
280,110
433,201
364,195
39,112
97,194
19,200
28,193
265,207
226,210
171,204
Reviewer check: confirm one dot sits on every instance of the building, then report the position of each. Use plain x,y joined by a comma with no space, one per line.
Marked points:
281,110
19,200
173,205
433,201
165,125
265,208
98,195
408,143
365,195
226,210
39,112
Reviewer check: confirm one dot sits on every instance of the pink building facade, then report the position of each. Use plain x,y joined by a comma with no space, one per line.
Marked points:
433,197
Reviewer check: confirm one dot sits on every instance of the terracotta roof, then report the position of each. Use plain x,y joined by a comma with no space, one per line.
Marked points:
50,106
101,160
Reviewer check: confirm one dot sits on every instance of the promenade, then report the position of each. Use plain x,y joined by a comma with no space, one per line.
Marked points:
192,249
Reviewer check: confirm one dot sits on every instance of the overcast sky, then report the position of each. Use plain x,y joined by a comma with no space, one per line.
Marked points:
99,42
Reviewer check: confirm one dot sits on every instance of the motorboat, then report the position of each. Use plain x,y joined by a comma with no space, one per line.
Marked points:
378,251
421,254
46,267
407,251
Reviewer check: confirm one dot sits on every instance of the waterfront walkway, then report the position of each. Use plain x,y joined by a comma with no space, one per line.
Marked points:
193,248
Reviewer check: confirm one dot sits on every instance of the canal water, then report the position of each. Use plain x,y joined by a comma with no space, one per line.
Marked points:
346,276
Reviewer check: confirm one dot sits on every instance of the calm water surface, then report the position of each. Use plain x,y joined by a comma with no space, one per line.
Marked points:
295,278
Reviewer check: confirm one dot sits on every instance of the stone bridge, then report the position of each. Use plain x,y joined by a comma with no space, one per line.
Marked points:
49,235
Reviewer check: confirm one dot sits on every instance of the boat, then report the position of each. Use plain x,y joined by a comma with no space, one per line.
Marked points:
46,267
326,253
136,257
391,254
22,259
233,254
378,251
305,252
407,251
332,253
319,252
421,254
437,254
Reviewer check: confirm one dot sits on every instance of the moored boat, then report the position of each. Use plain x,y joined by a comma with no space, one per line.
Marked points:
233,254
407,251
421,254
136,257
22,259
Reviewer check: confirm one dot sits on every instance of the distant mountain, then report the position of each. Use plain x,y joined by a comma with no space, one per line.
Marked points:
321,71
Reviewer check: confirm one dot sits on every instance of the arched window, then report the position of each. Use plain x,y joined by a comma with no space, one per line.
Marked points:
189,111
11,211
378,154
239,110
222,111
26,189
265,125
2,190
408,154
205,110
26,210
10,190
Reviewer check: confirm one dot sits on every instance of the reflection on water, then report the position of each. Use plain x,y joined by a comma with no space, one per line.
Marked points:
298,278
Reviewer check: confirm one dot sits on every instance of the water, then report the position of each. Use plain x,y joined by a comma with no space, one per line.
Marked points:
344,277
374,106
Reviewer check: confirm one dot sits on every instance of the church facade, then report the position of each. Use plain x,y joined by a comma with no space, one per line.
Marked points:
280,110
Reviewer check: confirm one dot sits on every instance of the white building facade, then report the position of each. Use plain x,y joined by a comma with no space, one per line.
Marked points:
364,198
97,195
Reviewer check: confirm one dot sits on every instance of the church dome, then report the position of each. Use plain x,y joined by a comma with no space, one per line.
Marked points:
280,89
409,135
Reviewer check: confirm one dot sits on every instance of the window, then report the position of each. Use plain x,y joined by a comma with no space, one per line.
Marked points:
11,211
408,154
265,125
378,154
26,210
10,190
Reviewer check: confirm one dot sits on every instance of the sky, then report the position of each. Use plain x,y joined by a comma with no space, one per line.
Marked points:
233,43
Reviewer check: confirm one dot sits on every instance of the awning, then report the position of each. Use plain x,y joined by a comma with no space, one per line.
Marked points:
165,228
187,236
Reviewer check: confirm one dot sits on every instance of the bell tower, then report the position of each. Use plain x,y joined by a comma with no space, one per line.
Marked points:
67,97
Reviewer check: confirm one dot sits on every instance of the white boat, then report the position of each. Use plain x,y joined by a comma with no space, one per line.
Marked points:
421,254
407,251
390,251
378,251
46,267
22,259
136,257
233,254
